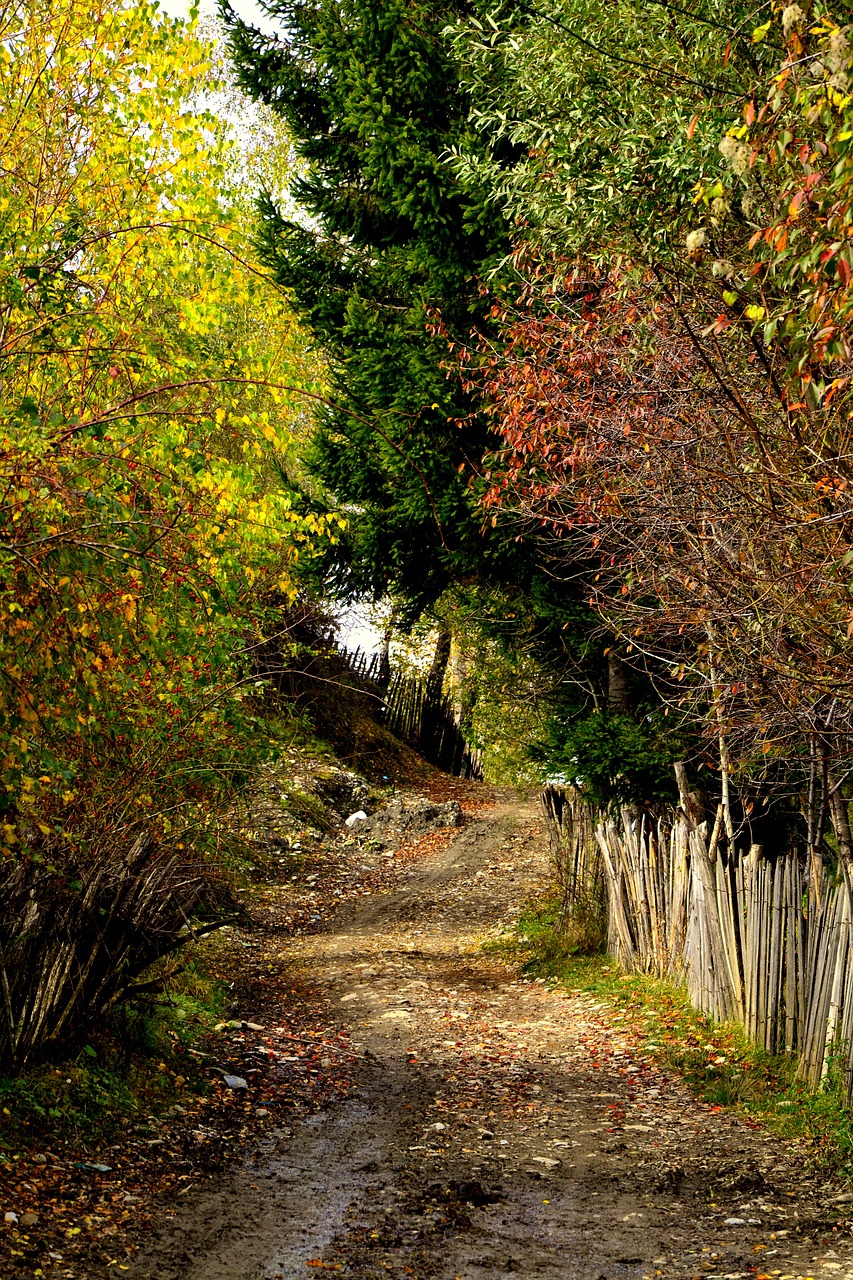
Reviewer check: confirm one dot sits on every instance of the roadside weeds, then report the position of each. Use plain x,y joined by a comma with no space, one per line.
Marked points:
717,1061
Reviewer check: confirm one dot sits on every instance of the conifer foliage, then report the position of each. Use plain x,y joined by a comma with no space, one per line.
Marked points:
386,235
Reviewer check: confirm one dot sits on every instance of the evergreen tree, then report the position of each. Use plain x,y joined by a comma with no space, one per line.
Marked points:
388,238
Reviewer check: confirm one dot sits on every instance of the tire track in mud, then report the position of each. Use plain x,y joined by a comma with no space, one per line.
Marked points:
495,1128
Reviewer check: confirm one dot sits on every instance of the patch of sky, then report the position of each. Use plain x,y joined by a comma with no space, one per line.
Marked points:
249,10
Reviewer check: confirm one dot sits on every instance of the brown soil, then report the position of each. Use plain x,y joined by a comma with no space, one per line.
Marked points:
494,1128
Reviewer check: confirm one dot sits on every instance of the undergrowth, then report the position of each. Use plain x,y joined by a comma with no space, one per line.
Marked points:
138,1063
716,1060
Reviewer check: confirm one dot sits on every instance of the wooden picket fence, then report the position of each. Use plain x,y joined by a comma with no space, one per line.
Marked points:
759,937
367,665
429,724
405,706
579,867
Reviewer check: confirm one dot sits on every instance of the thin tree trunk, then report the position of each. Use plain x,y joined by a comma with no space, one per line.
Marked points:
441,657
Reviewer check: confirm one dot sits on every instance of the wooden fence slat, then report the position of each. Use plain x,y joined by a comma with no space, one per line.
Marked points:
765,940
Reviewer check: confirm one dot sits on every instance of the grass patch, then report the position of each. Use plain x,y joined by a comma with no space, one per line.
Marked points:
716,1060
137,1065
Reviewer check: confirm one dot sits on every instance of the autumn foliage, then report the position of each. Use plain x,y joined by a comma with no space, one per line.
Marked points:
143,518
673,395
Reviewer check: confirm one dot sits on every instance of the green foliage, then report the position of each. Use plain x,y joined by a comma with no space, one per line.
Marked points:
614,756
152,382
386,238
136,1062
498,686
598,103
672,381
141,417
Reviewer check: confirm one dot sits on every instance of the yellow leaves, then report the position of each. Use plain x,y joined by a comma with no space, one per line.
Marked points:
144,532
759,33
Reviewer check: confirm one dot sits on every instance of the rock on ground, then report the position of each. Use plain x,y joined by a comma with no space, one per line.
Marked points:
407,820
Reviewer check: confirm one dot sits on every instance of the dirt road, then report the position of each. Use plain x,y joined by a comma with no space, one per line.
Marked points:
496,1128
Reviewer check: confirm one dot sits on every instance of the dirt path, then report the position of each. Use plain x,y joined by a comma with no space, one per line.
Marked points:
495,1128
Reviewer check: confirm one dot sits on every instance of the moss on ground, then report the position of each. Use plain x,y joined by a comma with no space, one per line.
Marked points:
138,1064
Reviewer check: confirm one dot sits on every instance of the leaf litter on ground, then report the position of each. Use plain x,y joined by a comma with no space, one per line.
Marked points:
73,1206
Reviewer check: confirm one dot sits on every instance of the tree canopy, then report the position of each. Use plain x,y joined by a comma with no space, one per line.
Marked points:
386,238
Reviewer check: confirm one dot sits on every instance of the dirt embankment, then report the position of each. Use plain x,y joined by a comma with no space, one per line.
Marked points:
493,1128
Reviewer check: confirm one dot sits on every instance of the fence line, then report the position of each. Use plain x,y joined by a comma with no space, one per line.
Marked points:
427,723
763,939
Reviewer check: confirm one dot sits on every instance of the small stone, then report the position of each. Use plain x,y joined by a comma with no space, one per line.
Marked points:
487,1135
735,1222
547,1161
253,1026
355,818
235,1082
438,1128
325,1063
40,1158
11,1218
29,1220
261,1112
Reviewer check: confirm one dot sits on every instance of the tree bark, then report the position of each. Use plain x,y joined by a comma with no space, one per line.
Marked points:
441,657
841,822
618,691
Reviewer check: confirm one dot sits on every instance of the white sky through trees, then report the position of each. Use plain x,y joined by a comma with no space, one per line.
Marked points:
249,10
